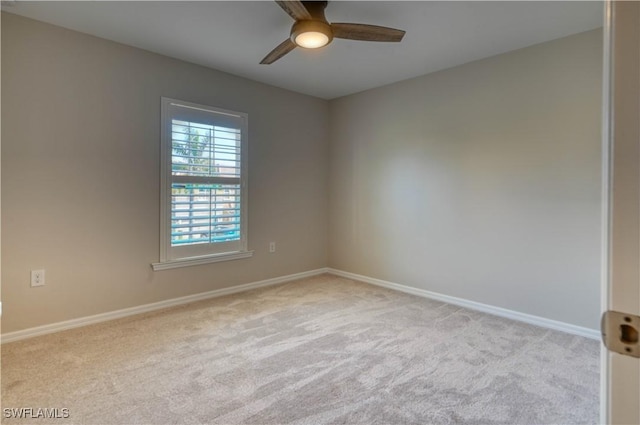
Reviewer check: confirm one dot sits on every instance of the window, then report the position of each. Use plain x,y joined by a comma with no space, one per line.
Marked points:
203,210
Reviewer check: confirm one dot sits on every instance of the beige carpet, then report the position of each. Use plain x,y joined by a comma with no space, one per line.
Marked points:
323,350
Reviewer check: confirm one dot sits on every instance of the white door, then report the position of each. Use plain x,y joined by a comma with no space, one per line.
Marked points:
621,379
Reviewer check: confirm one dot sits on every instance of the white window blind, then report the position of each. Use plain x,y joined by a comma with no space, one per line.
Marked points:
204,181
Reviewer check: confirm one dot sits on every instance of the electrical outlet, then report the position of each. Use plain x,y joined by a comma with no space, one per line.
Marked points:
272,247
37,277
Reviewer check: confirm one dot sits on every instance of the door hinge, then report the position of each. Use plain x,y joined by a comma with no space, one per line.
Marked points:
620,333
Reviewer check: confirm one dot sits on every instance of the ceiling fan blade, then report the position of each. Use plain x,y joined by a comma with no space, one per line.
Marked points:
295,9
366,32
282,49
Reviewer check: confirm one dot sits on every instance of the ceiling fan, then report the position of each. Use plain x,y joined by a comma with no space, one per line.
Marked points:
311,29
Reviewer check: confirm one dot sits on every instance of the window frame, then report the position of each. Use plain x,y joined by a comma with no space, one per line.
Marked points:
169,257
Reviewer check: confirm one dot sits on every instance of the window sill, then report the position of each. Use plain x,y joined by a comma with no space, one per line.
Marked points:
196,261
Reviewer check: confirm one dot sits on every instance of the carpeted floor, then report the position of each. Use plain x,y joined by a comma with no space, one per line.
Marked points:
323,350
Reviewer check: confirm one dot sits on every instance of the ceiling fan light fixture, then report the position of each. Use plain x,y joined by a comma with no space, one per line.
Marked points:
311,40
311,34
311,29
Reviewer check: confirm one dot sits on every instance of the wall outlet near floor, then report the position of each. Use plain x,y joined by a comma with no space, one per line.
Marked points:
272,247
37,277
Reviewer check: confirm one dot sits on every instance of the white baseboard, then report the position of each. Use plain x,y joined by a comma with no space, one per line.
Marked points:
103,317
472,305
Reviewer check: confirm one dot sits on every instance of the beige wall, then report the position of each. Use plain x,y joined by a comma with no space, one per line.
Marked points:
80,175
480,181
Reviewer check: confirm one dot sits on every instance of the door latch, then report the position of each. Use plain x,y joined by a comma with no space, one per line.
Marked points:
620,333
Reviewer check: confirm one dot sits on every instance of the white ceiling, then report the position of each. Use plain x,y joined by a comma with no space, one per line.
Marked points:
233,36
